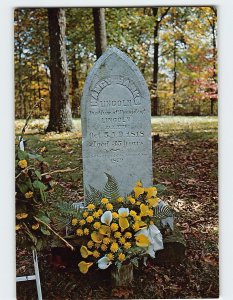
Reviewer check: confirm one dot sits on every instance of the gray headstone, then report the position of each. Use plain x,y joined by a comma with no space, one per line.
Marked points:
116,124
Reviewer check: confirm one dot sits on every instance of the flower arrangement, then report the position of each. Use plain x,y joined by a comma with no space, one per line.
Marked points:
119,230
31,195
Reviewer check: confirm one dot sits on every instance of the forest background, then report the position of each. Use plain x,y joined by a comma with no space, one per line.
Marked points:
174,47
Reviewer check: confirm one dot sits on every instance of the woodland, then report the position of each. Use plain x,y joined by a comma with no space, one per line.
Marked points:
175,48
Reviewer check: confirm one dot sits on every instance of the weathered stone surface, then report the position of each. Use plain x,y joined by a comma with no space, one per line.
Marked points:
116,123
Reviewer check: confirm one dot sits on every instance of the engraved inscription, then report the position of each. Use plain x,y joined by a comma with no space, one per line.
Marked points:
116,124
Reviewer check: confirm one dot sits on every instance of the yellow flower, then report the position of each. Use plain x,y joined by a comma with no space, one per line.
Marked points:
109,206
85,214
120,199
124,223
136,226
97,225
115,215
144,210
114,247
131,200
138,203
133,213
151,192
96,214
90,244
139,225
97,237
23,164
28,195
128,235
17,227
100,211
138,191
83,266
104,247
121,257
142,241
150,213
151,223
153,202
96,254
35,226
114,227
21,216
86,231
117,234
85,252
106,241
110,256
89,219
105,230
122,240
82,222
127,245
74,222
79,232
138,183
91,206
97,246
137,218
104,201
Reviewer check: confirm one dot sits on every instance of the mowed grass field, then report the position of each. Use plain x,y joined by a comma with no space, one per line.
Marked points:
185,160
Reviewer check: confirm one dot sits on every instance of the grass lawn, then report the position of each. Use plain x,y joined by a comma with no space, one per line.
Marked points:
185,160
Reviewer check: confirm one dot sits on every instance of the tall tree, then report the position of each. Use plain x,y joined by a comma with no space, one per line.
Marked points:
159,15
60,117
100,30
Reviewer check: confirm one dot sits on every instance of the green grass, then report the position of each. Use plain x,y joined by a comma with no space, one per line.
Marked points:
164,125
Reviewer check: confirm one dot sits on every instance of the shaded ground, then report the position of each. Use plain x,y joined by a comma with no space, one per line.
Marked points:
185,161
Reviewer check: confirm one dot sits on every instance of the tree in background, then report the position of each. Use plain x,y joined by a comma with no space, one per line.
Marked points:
60,117
100,31
183,45
159,14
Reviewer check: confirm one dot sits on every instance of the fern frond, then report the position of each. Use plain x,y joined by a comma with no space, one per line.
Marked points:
111,189
162,211
96,194
68,209
89,199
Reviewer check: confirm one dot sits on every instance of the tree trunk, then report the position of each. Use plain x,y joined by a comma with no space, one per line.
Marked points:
74,92
100,31
60,118
155,106
174,79
214,66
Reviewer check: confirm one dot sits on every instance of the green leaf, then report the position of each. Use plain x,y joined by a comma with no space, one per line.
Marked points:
135,262
22,155
39,185
161,188
39,245
22,187
43,218
45,231
38,174
36,156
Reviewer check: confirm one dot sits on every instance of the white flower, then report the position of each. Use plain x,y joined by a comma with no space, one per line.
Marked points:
123,212
104,263
106,217
155,238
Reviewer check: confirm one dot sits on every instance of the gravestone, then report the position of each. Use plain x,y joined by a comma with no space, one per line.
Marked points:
116,124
